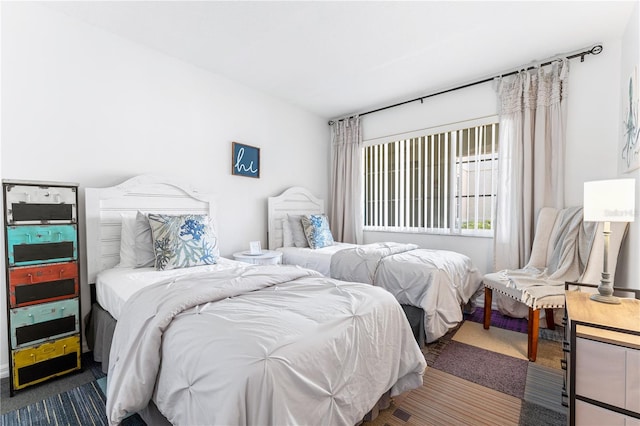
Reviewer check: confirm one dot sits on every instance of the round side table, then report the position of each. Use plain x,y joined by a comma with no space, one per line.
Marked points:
268,257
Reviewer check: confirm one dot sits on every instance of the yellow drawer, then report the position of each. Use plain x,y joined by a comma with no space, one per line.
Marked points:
51,359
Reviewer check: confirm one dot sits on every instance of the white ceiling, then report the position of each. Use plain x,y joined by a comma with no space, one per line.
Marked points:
339,58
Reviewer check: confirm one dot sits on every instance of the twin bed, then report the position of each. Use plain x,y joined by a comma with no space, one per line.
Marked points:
435,282
232,343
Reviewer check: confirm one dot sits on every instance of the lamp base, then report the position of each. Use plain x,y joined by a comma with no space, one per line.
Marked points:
613,300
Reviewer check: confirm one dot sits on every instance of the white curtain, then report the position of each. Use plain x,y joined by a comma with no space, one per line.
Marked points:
346,215
531,158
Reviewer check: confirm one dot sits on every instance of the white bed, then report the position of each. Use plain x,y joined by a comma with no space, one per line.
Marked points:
290,346
438,282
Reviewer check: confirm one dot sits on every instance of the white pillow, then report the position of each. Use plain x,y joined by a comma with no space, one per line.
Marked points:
299,237
127,241
287,234
145,255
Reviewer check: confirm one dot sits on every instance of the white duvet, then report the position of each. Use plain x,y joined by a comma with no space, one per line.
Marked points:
274,345
437,281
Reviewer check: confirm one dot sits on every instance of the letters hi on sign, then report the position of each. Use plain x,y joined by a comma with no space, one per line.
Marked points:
245,160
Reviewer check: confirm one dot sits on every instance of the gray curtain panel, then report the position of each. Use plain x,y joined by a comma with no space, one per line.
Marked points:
345,215
531,157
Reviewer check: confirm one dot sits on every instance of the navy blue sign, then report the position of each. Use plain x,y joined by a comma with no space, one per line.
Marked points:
246,160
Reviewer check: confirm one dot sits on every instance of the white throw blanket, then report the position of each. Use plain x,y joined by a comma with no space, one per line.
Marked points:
571,241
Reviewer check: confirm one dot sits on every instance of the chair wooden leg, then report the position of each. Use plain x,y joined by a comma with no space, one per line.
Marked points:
488,293
548,314
532,332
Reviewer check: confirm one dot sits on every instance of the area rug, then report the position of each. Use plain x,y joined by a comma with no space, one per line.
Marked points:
542,387
493,370
471,384
494,339
514,324
498,320
507,342
82,405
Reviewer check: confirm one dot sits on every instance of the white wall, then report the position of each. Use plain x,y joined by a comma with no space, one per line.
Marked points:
592,126
82,105
630,59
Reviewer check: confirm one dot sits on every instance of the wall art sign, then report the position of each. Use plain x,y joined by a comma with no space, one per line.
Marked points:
631,127
245,160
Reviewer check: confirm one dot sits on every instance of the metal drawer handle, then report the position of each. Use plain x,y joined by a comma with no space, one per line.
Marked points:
30,278
61,272
59,236
28,237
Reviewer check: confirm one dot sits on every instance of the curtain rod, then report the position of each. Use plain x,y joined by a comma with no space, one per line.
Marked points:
595,50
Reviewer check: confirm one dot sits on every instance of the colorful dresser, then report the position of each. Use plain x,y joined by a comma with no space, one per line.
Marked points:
43,288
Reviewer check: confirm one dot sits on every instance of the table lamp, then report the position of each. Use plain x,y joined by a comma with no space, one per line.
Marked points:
608,201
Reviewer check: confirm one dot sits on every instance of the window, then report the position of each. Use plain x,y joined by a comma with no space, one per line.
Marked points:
443,182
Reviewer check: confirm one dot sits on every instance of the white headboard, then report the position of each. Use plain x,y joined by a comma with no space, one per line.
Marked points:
104,208
295,200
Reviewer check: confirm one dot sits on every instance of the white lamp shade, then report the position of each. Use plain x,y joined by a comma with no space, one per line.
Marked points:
609,200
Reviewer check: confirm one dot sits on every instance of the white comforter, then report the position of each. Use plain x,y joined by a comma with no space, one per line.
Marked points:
260,345
438,281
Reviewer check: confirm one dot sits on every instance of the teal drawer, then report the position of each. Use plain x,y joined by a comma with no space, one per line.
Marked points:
32,244
39,323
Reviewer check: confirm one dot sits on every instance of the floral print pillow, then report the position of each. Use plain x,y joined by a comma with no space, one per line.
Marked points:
183,241
316,228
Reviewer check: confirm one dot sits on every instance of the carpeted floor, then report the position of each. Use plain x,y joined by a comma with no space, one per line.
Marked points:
472,378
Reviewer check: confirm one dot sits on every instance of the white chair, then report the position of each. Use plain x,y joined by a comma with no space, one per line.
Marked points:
547,228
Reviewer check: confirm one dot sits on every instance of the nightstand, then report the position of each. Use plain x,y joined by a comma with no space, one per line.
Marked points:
268,257
603,362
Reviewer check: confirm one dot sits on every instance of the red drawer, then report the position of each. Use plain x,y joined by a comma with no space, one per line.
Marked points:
46,283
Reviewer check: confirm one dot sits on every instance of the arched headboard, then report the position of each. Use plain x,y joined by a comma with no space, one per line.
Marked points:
295,201
104,208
